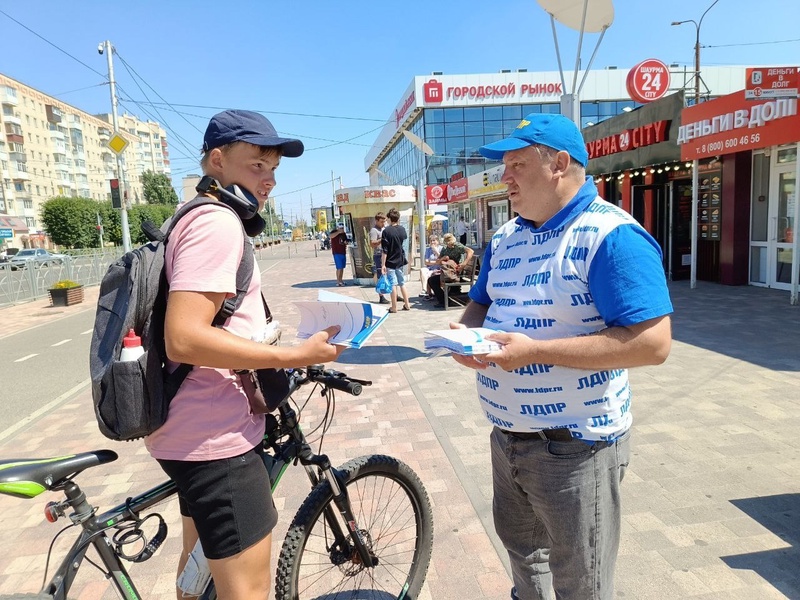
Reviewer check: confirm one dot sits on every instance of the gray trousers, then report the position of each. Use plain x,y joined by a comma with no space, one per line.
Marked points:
557,511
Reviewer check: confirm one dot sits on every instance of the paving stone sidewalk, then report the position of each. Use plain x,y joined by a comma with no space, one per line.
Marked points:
710,503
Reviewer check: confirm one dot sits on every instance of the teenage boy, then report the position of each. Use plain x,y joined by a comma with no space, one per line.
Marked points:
210,444
393,257
375,242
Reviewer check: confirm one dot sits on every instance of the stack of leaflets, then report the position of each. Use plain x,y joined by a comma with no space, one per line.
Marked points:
358,320
461,341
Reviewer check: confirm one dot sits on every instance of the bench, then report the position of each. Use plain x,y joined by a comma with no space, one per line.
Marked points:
472,269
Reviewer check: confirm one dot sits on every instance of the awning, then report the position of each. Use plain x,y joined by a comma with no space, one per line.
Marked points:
16,223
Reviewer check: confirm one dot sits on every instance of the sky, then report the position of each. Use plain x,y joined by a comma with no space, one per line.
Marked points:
330,73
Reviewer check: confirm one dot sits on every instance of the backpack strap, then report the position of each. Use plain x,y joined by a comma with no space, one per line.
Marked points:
244,274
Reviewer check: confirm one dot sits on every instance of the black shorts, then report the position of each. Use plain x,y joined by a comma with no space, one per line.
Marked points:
229,500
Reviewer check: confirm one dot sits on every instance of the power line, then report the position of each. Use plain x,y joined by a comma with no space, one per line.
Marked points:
275,112
752,44
88,87
53,45
129,68
183,142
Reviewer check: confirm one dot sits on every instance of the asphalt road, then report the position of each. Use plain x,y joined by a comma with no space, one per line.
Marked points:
41,364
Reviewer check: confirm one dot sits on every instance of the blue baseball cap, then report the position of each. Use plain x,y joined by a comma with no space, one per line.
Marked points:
247,126
554,131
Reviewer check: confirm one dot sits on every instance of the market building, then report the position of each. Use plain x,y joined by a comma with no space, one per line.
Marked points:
457,114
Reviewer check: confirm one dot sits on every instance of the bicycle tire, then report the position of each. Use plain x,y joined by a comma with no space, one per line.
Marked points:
27,597
397,488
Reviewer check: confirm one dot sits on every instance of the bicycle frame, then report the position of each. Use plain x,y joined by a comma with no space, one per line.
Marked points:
94,532
295,448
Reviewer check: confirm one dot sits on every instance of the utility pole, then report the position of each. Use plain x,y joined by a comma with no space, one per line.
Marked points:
333,197
695,162
302,226
108,49
100,230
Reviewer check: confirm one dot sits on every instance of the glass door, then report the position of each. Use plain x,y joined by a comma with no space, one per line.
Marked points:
772,228
783,226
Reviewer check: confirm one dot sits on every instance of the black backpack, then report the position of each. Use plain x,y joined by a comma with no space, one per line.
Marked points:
131,398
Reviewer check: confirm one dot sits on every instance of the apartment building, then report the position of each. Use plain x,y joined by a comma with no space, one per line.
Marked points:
50,148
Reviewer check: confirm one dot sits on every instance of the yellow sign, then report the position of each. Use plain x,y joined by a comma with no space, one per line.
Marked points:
322,220
117,144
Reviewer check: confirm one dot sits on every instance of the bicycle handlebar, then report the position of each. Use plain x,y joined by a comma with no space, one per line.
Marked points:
329,378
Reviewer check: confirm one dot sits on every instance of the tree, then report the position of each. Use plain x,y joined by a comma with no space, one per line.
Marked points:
71,222
158,189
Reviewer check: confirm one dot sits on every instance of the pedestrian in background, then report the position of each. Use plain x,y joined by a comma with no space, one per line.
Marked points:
210,444
393,258
577,287
375,243
338,242
432,266
452,252
461,230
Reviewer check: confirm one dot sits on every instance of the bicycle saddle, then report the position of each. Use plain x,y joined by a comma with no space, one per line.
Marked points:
26,478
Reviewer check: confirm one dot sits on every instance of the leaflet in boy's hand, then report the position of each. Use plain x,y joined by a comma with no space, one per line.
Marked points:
461,341
357,320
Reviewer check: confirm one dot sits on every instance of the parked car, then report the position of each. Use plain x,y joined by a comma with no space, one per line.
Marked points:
40,257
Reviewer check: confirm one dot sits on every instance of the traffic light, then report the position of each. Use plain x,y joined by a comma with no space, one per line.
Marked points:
485,179
116,200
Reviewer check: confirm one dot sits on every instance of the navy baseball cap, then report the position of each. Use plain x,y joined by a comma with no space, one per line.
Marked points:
554,131
247,126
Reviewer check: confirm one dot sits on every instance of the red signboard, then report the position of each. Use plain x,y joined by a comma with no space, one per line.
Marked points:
447,192
732,124
433,91
648,81
436,194
629,139
766,83
457,190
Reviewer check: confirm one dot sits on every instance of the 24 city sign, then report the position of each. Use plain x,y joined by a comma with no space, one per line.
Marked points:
648,81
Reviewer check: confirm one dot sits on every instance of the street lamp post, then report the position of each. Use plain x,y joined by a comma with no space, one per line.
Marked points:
424,149
695,162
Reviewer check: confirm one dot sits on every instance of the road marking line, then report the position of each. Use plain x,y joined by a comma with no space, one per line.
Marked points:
87,332
61,342
26,357
43,410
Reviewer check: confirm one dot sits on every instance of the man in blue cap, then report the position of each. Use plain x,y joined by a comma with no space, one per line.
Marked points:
210,444
577,289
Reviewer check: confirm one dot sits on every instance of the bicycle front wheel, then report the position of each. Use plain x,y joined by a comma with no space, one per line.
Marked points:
395,521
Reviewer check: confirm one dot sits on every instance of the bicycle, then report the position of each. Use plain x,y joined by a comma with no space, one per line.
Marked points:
364,531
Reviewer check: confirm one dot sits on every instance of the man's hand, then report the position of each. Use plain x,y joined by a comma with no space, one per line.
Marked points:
517,351
473,362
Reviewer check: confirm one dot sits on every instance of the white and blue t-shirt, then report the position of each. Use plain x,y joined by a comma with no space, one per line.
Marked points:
590,267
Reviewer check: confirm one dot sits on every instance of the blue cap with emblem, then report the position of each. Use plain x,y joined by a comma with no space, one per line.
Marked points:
554,131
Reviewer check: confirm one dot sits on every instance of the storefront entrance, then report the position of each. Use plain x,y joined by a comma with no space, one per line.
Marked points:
772,228
651,207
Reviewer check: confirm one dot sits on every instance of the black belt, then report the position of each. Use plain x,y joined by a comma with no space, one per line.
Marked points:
561,434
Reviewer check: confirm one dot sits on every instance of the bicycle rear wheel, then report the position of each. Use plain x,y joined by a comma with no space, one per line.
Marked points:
394,518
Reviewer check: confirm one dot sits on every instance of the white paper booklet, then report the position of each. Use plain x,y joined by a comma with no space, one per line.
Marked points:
358,320
461,341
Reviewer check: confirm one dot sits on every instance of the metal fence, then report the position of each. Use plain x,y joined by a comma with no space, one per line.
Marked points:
32,283
86,267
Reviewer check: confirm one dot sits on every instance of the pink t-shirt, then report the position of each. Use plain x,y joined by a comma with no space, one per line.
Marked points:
209,418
